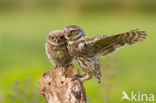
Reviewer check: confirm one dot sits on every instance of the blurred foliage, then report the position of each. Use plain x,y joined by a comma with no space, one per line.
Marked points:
24,25
79,5
24,93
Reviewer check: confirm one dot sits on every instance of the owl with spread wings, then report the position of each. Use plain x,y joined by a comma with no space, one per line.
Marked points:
85,50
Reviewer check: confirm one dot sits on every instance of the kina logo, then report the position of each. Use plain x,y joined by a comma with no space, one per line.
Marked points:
138,96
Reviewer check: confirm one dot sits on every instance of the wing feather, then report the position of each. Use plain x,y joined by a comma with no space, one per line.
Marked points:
104,45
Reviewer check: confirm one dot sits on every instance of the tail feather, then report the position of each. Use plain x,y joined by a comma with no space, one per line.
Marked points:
99,81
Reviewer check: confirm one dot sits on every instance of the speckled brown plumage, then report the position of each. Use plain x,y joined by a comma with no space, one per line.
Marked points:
85,50
56,49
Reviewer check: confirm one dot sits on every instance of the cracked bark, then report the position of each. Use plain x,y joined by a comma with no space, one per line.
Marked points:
57,86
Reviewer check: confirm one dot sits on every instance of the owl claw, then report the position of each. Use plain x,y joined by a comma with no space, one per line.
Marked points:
86,77
82,78
77,77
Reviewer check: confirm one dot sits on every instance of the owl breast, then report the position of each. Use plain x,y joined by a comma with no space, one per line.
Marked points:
85,57
58,55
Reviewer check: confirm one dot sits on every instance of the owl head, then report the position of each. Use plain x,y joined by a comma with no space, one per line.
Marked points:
73,32
56,38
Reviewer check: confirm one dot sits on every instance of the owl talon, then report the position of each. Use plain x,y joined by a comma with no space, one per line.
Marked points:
86,77
77,77
82,78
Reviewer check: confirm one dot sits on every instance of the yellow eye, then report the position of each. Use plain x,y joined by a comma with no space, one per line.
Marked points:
52,37
62,37
73,31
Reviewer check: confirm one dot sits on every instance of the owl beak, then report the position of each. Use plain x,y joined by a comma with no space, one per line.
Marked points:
56,41
66,36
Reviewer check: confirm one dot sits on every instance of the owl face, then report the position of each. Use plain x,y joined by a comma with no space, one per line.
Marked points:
56,38
73,32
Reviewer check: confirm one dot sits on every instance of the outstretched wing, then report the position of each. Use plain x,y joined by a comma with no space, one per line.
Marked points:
105,45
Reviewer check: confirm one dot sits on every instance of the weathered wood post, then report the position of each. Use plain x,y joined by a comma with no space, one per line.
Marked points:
57,86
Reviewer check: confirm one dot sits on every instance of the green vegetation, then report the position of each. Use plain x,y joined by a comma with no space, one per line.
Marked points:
23,59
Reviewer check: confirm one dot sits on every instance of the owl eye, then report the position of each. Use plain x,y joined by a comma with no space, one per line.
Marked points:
61,37
52,38
73,31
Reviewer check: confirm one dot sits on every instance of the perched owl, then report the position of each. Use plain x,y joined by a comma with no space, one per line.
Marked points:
56,49
85,50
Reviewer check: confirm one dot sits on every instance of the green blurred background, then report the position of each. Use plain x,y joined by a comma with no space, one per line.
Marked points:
24,25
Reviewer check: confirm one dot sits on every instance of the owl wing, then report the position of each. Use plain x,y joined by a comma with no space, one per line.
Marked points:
105,45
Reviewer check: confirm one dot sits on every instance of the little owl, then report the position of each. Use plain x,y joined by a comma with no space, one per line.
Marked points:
56,49
85,50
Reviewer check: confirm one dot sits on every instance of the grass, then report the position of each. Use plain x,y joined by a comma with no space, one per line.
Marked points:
22,54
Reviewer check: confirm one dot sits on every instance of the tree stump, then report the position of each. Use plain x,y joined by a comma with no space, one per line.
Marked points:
57,86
